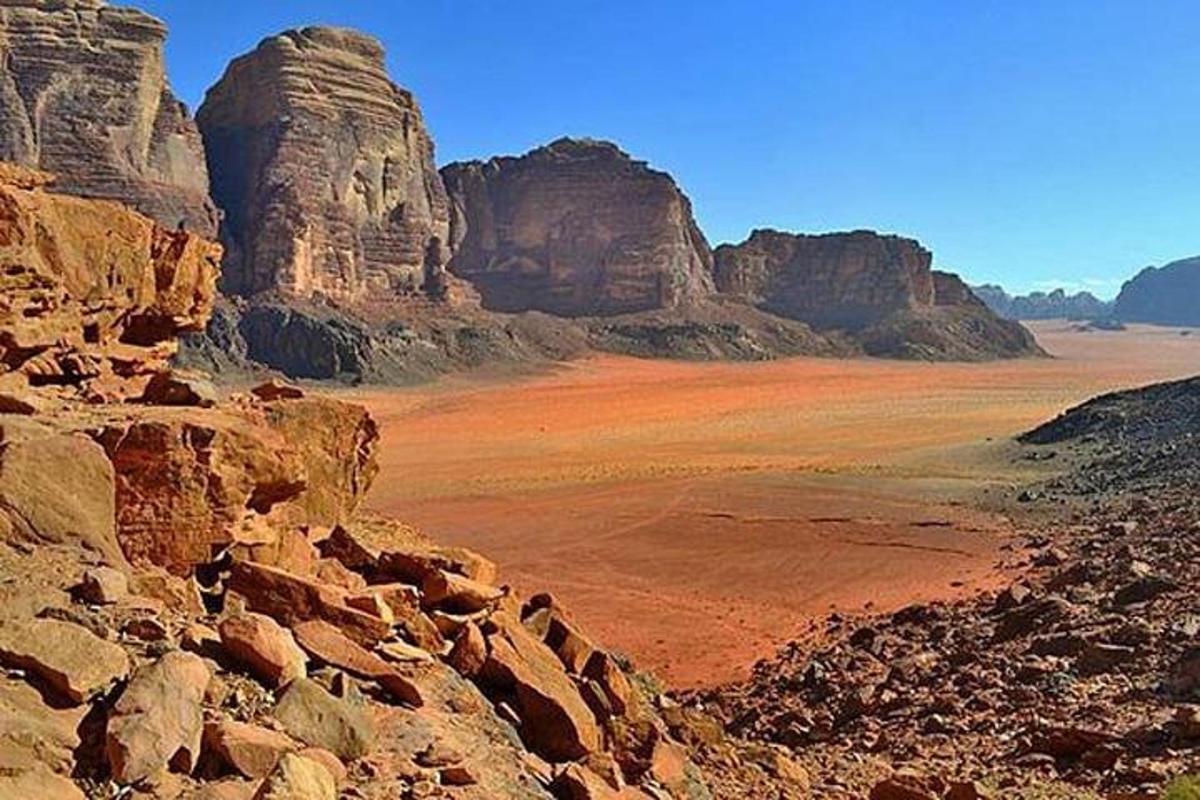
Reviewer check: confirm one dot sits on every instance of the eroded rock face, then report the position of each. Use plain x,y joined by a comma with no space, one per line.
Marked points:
91,291
325,172
837,280
83,94
1162,295
575,228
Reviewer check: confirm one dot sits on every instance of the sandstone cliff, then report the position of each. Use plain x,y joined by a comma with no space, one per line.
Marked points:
879,289
325,173
83,94
575,228
192,606
1166,295
1056,304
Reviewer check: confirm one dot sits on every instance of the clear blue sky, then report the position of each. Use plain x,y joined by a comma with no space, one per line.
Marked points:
1024,142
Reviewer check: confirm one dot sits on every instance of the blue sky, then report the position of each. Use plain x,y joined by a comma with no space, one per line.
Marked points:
1027,143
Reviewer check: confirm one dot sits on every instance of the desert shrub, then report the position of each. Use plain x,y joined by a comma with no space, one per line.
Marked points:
1185,788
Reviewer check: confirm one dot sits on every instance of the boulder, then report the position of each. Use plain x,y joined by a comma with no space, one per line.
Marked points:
555,722
575,228
469,652
293,599
248,750
103,586
326,643
458,593
180,389
268,650
38,784
298,777
314,716
344,200
31,731
69,659
158,719
83,94
81,483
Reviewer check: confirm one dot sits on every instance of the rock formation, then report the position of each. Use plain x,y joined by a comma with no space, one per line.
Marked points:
83,94
92,294
575,228
834,280
1043,305
879,289
1162,295
325,173
191,606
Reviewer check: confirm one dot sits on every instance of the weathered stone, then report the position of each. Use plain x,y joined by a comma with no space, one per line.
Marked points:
94,294
32,732
81,481
104,586
602,668
293,599
277,390
72,661
555,722
83,94
157,721
325,171
458,593
179,389
38,784
248,750
415,566
326,643
314,716
262,645
469,652
575,228
298,778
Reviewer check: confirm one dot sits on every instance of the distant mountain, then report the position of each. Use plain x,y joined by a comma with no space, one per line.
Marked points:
1168,295
1043,305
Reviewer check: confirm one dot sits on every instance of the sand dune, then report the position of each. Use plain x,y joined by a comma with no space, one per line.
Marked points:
699,515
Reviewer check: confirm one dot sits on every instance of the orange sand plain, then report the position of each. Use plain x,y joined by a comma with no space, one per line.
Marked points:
698,516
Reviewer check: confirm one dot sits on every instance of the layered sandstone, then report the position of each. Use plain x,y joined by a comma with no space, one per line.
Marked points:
836,280
325,172
83,94
575,228
92,294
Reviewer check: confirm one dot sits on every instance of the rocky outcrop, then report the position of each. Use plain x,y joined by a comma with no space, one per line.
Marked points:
835,280
83,94
93,295
881,290
325,173
1162,295
1043,305
575,228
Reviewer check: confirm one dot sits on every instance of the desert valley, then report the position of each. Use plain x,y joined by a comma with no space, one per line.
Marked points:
330,472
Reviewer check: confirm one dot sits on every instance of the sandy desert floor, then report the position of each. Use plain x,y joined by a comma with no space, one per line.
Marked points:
697,516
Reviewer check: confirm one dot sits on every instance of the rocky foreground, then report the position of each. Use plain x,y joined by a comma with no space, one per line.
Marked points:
1079,680
191,606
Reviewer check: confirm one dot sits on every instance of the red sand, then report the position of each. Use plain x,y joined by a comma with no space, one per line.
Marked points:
697,516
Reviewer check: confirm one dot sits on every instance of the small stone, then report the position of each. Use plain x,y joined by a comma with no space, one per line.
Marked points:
103,586
248,750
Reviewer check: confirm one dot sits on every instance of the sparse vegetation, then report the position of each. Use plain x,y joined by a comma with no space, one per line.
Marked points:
1185,788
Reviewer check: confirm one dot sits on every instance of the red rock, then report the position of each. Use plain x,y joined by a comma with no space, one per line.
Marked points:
157,721
334,573
415,566
328,644
469,652
277,390
555,722
75,663
37,784
297,777
902,788
457,593
328,760
104,586
293,599
602,668
248,750
172,388
314,716
265,647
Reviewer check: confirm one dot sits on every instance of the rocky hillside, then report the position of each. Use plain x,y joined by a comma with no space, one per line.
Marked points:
880,289
1162,295
192,607
576,228
325,172
1043,305
83,94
